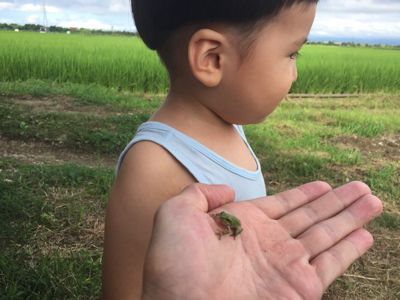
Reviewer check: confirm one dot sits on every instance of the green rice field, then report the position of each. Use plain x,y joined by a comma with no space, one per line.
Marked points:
125,63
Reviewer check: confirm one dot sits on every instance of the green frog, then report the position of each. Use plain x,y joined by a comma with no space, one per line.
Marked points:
232,224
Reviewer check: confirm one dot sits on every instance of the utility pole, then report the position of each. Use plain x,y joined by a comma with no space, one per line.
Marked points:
44,15
43,29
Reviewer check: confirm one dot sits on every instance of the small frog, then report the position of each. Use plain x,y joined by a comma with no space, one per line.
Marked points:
231,222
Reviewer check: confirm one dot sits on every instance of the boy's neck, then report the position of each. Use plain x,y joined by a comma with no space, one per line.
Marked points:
187,113
184,110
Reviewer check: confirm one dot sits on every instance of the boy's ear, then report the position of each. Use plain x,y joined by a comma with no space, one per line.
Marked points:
206,56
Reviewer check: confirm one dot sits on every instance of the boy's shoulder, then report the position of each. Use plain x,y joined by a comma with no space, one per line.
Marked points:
150,167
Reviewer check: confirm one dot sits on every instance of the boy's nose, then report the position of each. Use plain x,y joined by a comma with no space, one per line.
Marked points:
294,74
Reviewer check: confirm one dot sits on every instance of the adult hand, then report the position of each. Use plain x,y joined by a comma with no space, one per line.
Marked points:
293,246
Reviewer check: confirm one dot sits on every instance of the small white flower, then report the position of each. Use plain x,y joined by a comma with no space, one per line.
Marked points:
8,180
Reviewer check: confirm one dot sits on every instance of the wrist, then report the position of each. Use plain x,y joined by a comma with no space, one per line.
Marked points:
151,292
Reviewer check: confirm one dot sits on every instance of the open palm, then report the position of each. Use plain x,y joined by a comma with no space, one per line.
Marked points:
294,244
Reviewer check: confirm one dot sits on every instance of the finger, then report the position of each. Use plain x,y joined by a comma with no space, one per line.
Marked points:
204,197
336,260
323,208
280,204
324,235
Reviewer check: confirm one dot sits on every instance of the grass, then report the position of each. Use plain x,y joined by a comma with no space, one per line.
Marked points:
106,135
52,216
91,94
36,201
344,70
118,62
388,221
124,63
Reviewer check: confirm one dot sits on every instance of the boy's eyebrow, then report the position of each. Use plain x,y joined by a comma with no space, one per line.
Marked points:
300,42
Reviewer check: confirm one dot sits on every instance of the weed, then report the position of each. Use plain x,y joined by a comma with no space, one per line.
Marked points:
34,200
105,135
388,221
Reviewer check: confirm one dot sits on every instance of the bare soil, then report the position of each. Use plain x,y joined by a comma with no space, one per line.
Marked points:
381,149
59,103
55,153
52,154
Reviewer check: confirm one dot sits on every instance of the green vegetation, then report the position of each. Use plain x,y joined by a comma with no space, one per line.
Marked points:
388,221
126,64
118,62
83,94
51,216
35,201
299,142
82,131
58,29
352,44
341,70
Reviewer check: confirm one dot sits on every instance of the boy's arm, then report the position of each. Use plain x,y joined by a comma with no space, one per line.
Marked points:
149,175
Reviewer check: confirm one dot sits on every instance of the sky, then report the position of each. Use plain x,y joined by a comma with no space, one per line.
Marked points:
361,21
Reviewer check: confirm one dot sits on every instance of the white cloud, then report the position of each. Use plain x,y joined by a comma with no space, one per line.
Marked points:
355,25
321,33
90,24
118,7
5,5
358,18
360,6
32,19
28,7
335,18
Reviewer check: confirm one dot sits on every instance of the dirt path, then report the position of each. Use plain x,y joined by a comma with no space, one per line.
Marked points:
39,152
381,150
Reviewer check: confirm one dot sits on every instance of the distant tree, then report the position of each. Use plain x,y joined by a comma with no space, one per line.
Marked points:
58,29
6,26
14,26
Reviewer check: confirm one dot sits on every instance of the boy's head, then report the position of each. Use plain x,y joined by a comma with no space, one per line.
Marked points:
157,20
206,45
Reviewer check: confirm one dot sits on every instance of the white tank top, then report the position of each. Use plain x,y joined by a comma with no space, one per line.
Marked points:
205,165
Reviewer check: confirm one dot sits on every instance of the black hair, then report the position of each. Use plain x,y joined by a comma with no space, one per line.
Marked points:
156,20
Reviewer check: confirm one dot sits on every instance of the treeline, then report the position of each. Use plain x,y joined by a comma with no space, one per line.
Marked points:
352,44
57,29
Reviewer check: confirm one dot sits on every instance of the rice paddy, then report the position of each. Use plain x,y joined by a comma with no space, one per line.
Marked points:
124,63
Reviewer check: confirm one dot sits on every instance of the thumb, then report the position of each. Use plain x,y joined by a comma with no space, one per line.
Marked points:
203,196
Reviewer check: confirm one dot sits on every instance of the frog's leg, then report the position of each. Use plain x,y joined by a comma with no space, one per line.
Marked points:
220,232
215,215
236,232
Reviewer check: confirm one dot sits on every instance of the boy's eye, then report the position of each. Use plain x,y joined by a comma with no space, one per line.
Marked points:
294,55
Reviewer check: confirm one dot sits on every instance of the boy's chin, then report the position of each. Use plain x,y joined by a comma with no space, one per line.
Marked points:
253,121
261,120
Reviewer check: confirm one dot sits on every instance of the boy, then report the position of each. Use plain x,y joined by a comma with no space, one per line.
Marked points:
229,62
